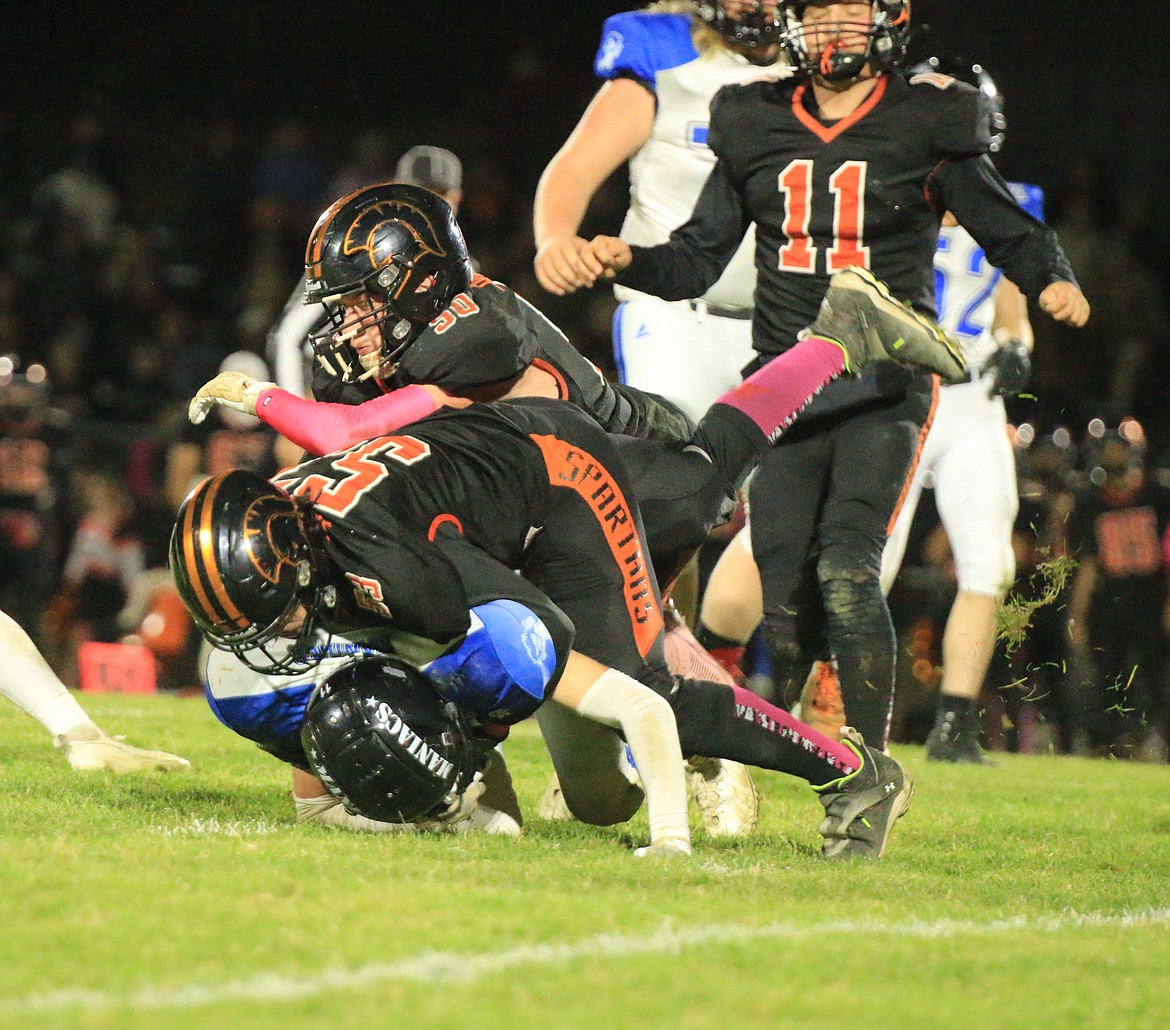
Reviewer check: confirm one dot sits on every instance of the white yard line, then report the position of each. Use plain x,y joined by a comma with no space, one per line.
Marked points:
435,967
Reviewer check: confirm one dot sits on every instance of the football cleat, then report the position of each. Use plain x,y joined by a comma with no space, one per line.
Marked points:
671,848
861,808
485,820
821,706
955,738
725,795
863,318
722,790
89,749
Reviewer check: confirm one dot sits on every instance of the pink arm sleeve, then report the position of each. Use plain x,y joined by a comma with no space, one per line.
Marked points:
322,428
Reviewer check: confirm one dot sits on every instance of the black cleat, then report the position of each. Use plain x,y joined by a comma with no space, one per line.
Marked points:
862,317
955,738
861,808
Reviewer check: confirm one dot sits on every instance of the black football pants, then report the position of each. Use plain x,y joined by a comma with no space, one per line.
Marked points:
821,508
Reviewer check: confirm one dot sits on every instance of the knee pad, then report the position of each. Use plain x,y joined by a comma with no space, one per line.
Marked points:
848,588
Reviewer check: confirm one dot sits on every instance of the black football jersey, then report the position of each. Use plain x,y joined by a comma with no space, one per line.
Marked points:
533,484
489,334
868,190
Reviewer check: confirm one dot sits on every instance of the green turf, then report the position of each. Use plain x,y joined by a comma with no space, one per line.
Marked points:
1035,893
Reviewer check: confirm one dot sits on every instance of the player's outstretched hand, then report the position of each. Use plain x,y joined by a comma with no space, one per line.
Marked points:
326,810
558,264
1064,302
231,389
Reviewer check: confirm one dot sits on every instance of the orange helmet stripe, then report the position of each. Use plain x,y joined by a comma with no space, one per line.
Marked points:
199,557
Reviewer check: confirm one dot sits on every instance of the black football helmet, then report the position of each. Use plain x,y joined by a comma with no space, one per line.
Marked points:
398,247
383,741
974,75
887,37
753,30
244,556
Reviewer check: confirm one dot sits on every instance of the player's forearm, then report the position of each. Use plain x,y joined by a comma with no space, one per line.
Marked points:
322,428
1027,250
672,271
562,198
612,129
696,254
1011,320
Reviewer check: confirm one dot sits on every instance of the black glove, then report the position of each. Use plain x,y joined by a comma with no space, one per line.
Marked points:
1011,369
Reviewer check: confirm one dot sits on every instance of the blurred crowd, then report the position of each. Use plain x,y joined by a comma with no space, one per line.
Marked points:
121,294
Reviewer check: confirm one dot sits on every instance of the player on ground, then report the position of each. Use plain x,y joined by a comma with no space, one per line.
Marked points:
426,527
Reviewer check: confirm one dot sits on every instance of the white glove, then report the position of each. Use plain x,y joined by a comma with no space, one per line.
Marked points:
326,810
669,848
233,390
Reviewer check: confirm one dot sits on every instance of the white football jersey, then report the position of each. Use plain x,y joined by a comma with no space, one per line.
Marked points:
667,174
964,282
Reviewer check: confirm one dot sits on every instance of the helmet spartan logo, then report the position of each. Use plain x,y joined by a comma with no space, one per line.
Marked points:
273,554
363,235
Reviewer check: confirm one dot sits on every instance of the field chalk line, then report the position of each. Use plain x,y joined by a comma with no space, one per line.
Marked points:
435,967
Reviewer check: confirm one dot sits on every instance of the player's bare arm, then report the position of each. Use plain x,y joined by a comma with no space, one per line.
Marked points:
614,127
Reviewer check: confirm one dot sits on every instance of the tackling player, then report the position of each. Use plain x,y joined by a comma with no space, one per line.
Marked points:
424,529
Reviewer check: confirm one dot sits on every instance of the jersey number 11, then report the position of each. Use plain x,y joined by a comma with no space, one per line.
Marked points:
847,185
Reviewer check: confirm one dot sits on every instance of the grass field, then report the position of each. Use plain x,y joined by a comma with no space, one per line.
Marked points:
1035,893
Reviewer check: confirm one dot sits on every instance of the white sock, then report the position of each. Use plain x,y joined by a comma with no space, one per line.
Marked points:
26,678
647,721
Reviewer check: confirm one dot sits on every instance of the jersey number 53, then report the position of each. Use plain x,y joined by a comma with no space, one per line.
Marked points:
358,470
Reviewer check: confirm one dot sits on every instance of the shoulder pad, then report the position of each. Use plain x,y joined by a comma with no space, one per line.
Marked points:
960,114
732,109
483,337
643,43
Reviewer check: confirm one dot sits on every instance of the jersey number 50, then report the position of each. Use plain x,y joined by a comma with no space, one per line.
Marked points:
847,185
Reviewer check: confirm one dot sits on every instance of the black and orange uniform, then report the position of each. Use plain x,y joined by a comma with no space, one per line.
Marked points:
489,336
867,190
424,525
